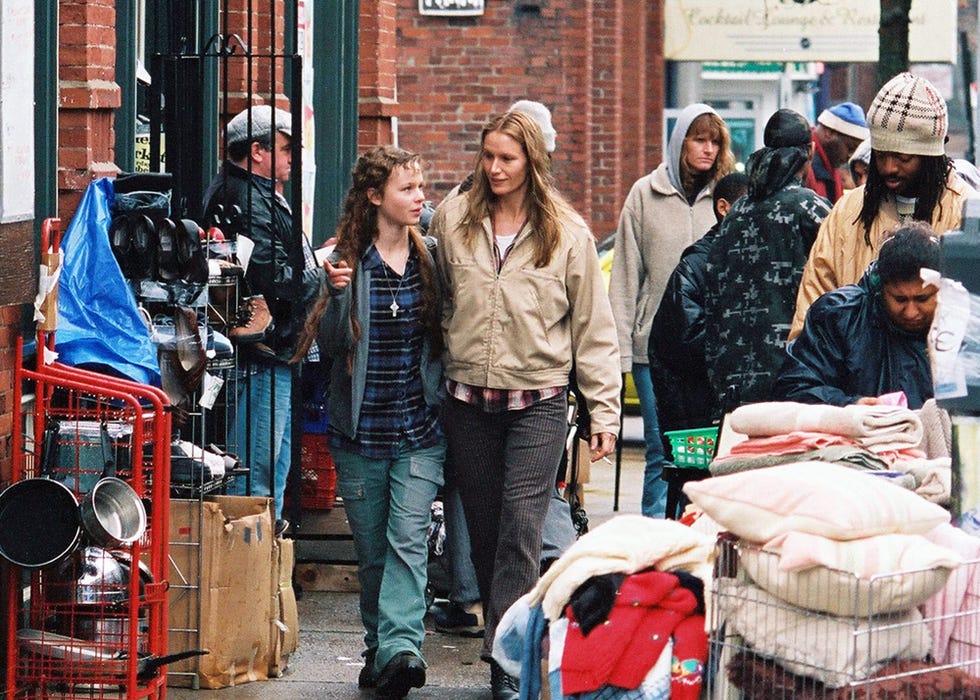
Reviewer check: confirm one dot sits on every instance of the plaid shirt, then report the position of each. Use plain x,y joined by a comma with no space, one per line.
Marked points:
309,263
499,400
394,414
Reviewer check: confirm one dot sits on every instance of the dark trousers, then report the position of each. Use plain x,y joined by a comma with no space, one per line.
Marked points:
504,465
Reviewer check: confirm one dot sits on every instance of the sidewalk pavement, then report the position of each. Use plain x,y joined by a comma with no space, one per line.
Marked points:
327,662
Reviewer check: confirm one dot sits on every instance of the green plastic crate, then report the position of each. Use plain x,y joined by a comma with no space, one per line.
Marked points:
693,448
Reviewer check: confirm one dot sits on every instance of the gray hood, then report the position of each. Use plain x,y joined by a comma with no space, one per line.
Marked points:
675,145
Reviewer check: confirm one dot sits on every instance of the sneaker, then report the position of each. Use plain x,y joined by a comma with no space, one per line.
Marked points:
254,320
453,618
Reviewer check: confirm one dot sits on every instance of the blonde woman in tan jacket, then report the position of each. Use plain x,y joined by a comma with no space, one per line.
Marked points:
526,300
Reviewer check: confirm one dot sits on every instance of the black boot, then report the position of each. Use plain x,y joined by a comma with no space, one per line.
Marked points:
502,685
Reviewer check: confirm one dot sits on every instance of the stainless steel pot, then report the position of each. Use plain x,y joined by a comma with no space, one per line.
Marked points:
112,513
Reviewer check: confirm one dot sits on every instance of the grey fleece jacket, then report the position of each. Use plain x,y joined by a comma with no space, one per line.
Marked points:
655,226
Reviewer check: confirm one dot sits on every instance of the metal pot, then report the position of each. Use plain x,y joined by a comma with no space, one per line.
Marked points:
112,513
39,522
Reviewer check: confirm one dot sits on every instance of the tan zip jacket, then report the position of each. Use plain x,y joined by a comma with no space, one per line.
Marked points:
840,256
522,327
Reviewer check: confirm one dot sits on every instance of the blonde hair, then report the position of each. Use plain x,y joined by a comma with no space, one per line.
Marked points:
545,205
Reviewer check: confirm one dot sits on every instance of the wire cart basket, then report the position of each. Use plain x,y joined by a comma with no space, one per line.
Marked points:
832,635
92,622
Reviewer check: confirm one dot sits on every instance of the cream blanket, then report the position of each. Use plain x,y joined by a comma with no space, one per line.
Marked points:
876,428
625,544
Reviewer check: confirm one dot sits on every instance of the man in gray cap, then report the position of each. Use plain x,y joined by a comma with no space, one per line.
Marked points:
246,198
754,265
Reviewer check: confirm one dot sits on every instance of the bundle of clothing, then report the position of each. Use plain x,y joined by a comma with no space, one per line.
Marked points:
620,615
909,448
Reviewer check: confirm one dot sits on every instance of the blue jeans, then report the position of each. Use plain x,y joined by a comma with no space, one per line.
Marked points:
262,431
464,590
388,503
654,500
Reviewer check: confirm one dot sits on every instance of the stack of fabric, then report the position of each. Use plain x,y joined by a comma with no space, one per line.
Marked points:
832,565
886,441
621,614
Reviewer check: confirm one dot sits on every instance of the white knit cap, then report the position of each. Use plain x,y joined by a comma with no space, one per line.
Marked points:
908,115
542,117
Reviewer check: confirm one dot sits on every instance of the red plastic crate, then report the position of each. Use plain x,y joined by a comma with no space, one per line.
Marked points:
318,488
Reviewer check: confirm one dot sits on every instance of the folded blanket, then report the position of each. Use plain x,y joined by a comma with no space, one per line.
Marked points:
834,650
879,428
933,477
845,455
937,430
793,442
624,544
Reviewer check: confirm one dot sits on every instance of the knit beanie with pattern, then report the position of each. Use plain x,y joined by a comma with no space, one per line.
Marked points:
908,115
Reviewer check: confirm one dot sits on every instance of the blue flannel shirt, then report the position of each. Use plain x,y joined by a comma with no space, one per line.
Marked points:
394,414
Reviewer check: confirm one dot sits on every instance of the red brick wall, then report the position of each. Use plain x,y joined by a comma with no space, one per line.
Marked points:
88,96
261,25
598,67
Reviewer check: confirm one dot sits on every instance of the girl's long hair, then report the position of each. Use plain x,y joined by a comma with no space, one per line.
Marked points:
356,231
931,184
545,205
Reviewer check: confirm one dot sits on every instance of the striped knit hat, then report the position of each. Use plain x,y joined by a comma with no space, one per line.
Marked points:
908,115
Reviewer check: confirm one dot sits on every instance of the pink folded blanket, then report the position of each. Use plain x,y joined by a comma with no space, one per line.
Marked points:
877,428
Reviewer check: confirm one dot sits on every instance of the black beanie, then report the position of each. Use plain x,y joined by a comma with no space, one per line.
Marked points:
787,128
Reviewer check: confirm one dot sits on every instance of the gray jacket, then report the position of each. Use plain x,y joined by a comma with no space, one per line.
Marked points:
336,338
655,227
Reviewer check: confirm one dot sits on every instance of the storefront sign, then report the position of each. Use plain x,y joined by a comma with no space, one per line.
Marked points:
451,8
800,30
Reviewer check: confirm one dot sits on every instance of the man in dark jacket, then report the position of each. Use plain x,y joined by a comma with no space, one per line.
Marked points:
755,264
685,398
868,339
247,195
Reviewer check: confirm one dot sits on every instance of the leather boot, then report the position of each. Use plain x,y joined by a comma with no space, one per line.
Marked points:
254,320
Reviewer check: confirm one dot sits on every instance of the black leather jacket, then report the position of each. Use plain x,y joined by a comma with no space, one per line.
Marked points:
685,397
276,267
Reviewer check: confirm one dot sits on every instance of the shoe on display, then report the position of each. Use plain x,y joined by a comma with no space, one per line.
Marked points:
452,618
254,320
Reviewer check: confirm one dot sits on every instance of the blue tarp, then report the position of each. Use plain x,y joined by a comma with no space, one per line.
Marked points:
99,325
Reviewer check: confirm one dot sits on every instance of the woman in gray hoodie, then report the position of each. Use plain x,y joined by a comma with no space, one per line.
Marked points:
665,212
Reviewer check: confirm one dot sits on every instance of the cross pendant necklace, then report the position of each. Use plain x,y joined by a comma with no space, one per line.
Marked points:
394,290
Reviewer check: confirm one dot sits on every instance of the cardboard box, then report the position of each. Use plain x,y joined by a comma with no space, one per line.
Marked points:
222,562
284,638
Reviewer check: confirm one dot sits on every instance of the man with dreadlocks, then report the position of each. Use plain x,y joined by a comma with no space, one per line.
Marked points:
910,178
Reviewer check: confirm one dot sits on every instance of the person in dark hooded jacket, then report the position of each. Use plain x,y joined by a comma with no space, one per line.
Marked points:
868,339
755,264
676,350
